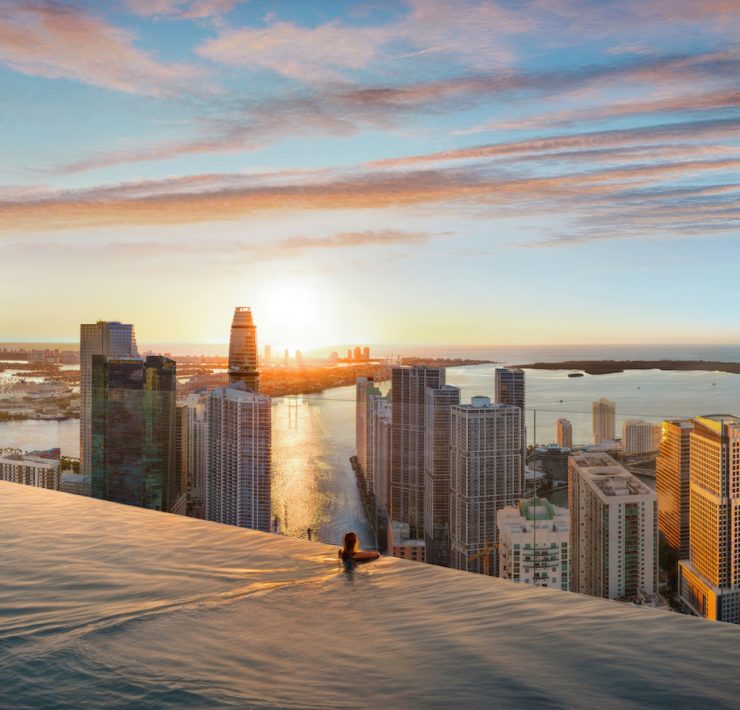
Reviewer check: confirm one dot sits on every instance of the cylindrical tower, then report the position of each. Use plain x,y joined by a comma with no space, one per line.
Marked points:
243,349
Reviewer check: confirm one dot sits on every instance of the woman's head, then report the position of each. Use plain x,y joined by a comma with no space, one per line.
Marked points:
351,544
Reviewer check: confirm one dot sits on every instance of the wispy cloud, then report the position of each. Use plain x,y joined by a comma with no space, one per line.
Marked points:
182,9
55,40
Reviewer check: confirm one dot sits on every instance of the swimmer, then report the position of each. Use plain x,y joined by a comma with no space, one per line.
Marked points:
351,552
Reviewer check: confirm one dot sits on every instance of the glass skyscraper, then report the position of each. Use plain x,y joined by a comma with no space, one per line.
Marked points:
133,431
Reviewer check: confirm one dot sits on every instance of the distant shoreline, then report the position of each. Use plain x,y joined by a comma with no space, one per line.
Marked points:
611,367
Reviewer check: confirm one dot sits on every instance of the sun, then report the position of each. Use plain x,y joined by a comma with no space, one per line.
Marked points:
288,315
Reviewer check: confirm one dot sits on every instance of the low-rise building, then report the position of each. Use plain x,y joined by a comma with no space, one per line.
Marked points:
402,545
30,471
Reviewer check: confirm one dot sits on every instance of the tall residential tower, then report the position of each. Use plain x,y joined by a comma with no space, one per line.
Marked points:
243,350
604,414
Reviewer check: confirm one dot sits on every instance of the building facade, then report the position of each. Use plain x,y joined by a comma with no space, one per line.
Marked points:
613,530
604,420
640,437
533,543
672,484
510,388
179,489
485,476
552,461
709,581
364,387
243,366
438,415
564,433
197,451
133,431
238,472
111,339
408,391
31,471
378,437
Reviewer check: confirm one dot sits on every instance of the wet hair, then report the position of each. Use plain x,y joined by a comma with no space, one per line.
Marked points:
351,545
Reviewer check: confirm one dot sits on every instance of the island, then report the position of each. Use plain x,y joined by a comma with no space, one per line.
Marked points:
610,367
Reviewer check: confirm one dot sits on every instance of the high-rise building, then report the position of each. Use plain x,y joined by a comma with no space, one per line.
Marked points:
298,358
197,451
437,418
552,461
533,543
613,530
133,431
672,484
510,388
407,443
709,581
639,437
243,350
366,353
179,492
268,353
604,414
485,476
111,339
238,474
565,433
349,354
31,471
378,438
365,386
357,353
286,357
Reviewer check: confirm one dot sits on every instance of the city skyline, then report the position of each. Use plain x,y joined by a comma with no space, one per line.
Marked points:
329,161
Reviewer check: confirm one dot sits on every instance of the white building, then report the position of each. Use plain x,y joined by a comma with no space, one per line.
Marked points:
364,387
485,476
30,471
613,530
378,437
564,434
640,437
197,449
237,482
112,339
604,417
533,543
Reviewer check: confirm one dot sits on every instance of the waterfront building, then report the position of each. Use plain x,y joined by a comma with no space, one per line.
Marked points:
111,339
402,545
604,416
268,354
709,581
485,476
565,433
197,451
552,461
179,488
640,437
378,437
357,353
243,349
30,471
133,431
408,390
672,484
238,485
437,417
510,388
364,387
613,530
366,353
533,543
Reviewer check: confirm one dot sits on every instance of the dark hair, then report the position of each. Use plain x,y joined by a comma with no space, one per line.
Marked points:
351,545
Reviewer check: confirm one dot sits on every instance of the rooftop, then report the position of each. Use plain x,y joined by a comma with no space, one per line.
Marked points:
107,605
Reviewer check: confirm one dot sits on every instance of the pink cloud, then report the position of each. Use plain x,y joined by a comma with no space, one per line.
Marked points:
63,42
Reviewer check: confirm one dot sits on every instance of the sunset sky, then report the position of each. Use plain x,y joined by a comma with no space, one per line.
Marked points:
428,171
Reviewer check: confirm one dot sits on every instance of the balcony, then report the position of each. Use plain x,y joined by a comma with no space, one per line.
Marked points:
103,605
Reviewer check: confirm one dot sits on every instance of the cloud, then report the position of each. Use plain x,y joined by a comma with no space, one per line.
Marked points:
181,9
59,41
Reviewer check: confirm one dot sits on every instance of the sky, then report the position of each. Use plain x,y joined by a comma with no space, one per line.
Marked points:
419,171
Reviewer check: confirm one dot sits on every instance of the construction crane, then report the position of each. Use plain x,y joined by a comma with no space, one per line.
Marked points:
486,554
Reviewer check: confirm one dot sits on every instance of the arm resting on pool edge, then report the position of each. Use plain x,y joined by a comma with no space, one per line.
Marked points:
365,556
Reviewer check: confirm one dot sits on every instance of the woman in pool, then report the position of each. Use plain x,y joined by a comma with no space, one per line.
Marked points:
351,552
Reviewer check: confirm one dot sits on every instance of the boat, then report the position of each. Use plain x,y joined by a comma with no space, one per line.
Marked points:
575,374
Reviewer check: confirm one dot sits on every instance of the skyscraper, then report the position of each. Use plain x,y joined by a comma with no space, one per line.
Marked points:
437,417
533,543
243,350
133,431
378,426
111,339
709,581
639,437
179,500
613,530
604,413
238,474
672,484
510,389
485,476
407,443
565,434
197,450
363,389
